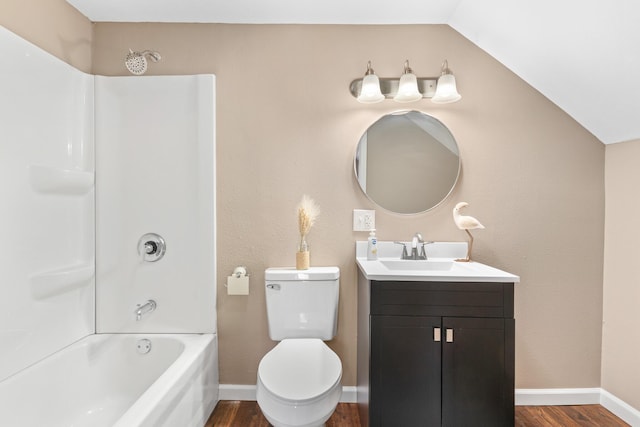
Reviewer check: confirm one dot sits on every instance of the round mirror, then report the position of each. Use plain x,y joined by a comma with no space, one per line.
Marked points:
407,162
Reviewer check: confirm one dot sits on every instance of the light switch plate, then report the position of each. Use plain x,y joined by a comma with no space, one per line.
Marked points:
364,220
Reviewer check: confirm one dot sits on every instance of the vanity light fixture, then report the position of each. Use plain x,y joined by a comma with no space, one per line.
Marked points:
370,89
406,88
446,90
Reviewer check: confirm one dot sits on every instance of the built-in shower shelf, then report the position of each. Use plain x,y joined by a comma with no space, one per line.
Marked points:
47,179
62,280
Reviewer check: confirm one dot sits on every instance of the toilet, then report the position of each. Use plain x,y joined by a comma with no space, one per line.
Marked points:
299,379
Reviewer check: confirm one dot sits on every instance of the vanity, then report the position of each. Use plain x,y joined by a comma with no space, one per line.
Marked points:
435,336
435,339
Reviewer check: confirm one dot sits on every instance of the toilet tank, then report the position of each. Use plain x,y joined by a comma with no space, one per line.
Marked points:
302,303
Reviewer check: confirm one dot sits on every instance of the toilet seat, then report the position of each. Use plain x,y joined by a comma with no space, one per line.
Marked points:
300,369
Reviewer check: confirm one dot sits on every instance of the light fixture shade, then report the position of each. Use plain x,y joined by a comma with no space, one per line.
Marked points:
408,88
446,90
370,91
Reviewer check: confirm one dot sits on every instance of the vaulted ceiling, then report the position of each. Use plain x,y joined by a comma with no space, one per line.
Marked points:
584,55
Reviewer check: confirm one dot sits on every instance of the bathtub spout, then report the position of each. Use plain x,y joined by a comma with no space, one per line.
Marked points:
145,308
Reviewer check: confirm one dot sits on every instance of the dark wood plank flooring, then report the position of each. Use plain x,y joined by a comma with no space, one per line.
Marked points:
568,416
248,414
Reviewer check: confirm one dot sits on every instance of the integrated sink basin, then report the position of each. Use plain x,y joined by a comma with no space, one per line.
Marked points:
440,265
417,265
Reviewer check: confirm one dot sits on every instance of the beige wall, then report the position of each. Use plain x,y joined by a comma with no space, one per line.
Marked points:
287,125
53,25
621,317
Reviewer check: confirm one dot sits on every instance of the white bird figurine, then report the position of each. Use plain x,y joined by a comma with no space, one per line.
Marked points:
466,223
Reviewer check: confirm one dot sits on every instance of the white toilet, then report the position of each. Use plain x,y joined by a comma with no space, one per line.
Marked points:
299,379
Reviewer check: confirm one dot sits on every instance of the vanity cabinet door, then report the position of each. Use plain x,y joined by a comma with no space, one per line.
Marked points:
476,387
405,371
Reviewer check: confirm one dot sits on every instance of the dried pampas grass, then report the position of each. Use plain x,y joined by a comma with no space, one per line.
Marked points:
308,212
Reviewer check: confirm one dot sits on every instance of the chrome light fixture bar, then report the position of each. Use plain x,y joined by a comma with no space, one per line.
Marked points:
407,88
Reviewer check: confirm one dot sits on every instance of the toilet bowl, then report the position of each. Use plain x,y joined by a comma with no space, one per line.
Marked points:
299,383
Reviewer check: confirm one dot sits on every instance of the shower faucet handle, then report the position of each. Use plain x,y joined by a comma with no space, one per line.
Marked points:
151,247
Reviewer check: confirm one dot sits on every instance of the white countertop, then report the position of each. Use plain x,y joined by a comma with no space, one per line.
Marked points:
438,254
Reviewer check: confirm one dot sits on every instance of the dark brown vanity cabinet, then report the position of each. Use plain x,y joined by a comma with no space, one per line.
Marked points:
435,354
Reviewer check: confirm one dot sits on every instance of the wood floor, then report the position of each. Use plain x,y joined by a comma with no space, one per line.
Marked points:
584,415
247,414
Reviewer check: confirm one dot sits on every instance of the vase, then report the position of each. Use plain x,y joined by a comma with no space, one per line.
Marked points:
302,256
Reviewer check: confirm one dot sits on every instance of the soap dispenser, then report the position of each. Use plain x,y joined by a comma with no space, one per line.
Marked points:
372,246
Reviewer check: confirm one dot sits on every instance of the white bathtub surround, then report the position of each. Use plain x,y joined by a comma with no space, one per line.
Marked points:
155,162
154,140
102,381
47,216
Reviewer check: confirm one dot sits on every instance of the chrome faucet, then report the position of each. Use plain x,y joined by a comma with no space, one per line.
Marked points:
415,241
145,308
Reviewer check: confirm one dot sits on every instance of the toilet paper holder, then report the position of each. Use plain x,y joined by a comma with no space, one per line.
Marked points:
238,282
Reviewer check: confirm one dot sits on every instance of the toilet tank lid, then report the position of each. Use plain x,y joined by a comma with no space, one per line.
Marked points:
313,273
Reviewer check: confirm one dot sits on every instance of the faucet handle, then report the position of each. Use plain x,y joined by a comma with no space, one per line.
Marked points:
423,254
404,255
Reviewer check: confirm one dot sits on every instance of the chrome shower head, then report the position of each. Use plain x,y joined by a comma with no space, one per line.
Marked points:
136,62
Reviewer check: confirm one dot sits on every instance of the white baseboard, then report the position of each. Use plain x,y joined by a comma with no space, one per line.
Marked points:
248,392
237,392
579,396
557,396
349,394
621,409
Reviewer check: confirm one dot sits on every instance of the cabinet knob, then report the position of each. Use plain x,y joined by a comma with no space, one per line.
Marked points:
436,335
449,336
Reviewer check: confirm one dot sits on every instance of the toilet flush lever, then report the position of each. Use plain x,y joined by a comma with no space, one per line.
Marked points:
273,286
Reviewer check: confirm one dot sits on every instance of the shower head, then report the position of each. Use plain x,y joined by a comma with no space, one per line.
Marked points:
136,62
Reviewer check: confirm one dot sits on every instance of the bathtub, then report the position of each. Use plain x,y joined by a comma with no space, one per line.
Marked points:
117,380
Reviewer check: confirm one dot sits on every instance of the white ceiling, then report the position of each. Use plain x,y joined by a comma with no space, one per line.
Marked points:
584,55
